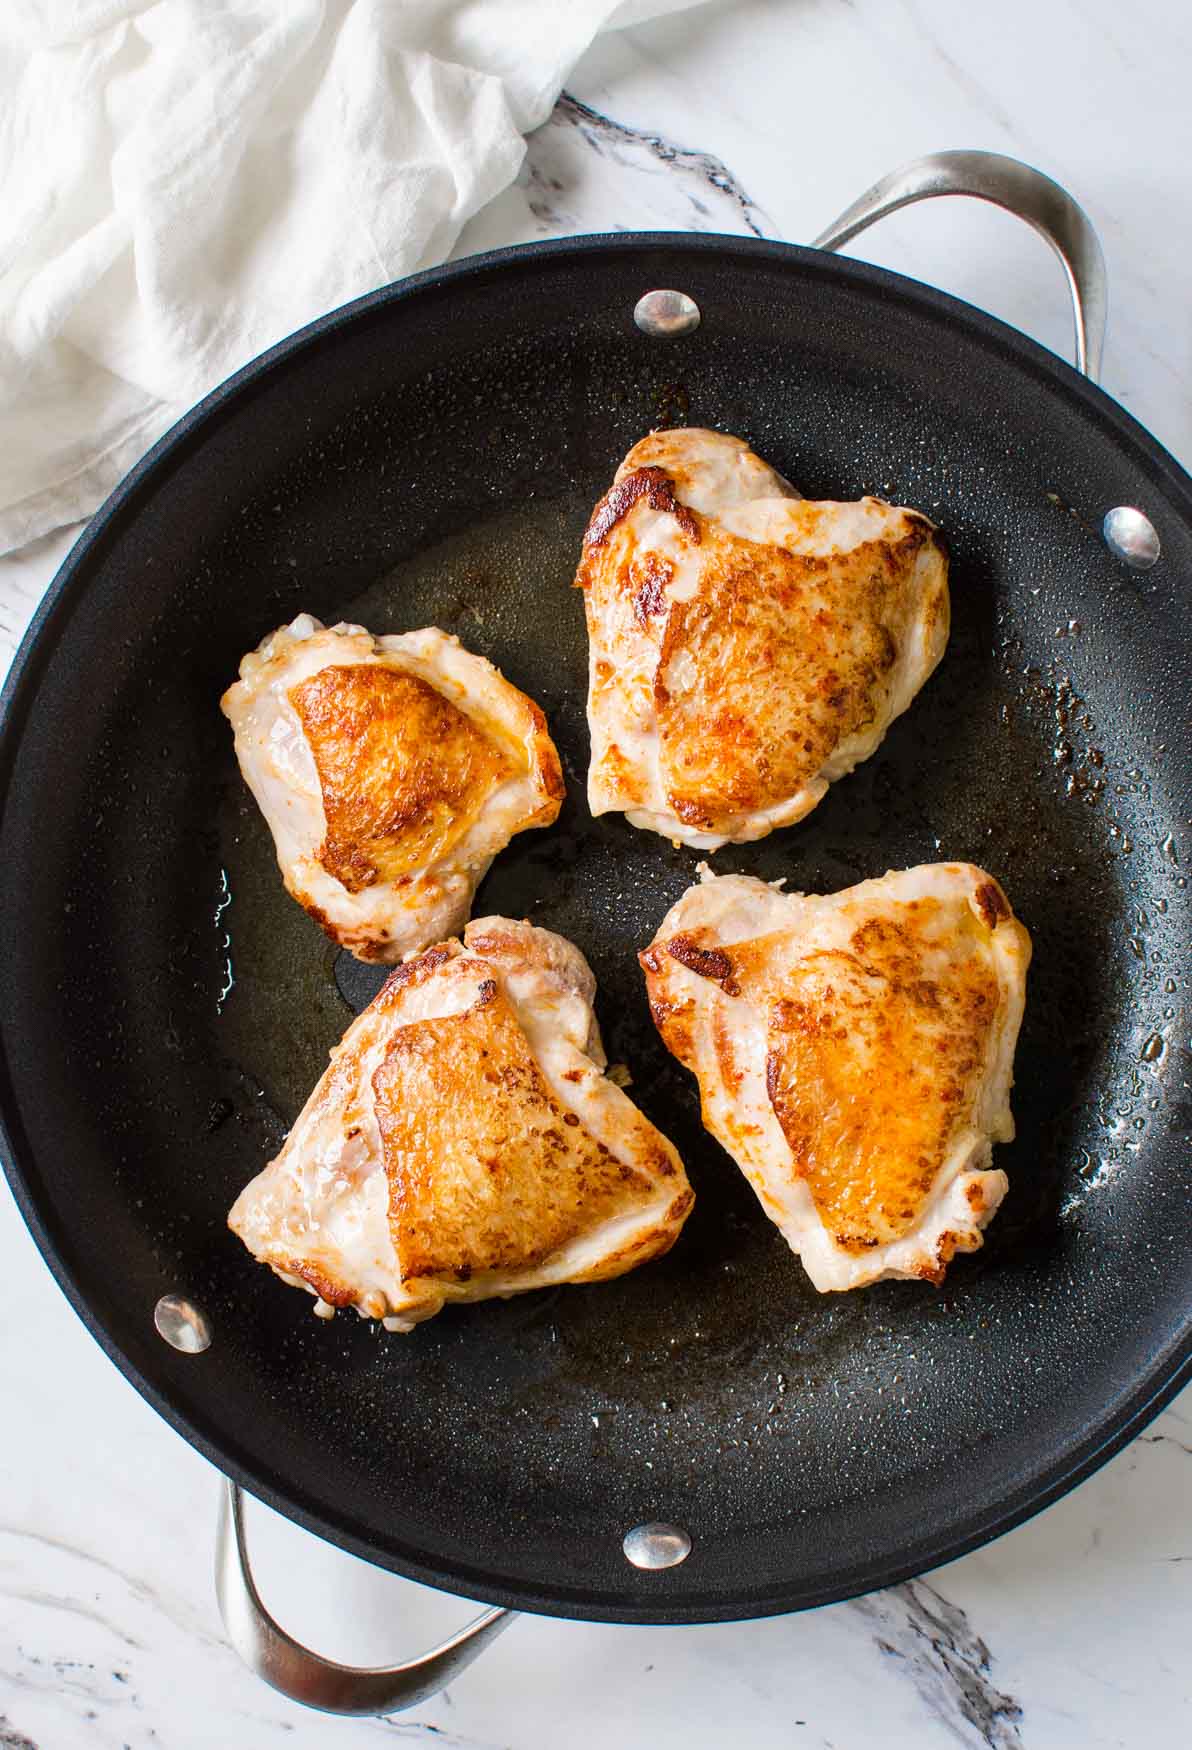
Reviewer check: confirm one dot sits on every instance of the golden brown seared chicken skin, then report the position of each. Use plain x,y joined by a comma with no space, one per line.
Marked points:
465,1143
855,1056
747,646
390,771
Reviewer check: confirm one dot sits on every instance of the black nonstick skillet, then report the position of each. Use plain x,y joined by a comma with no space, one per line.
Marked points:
429,455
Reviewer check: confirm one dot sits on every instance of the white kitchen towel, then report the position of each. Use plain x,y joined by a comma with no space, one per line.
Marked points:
184,183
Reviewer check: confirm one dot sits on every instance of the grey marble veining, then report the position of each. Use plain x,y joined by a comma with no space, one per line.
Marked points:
948,1663
564,185
560,153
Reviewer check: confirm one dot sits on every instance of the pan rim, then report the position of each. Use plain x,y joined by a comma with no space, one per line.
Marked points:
1045,1483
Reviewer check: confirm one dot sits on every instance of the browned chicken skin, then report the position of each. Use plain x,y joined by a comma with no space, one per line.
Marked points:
390,771
747,646
464,1142
854,1054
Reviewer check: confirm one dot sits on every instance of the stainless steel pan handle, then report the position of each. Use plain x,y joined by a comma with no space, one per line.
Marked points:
1021,190
304,1676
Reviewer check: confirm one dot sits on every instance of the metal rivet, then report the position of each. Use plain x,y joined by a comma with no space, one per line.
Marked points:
656,1545
184,1325
1131,536
666,315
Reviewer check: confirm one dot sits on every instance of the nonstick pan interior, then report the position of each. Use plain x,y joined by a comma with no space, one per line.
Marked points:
432,458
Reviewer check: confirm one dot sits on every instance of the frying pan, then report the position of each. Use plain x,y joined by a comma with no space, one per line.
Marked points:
429,455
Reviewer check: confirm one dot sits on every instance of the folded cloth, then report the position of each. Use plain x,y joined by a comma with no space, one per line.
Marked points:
187,182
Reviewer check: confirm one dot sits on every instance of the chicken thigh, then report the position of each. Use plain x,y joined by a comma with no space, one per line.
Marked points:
390,772
854,1054
747,646
464,1142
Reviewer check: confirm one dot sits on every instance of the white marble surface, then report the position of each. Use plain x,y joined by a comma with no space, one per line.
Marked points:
1074,1631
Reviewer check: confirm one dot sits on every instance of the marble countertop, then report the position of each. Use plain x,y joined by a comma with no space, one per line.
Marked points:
1073,1631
